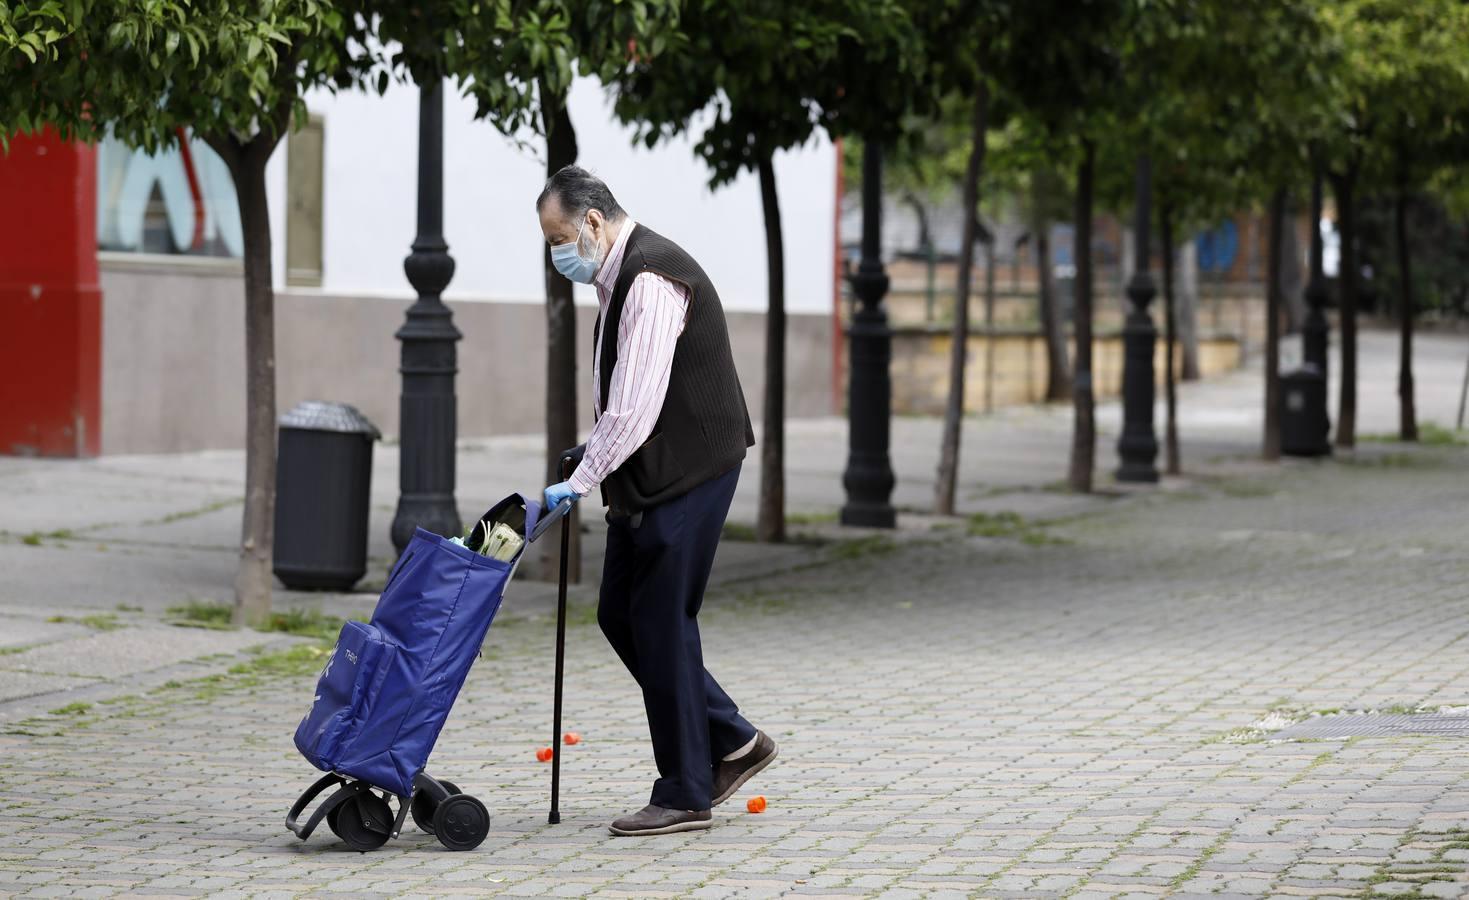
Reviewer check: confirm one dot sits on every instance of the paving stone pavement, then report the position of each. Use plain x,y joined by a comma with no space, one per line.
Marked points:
1078,715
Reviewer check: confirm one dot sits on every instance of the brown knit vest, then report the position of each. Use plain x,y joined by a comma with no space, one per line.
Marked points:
704,427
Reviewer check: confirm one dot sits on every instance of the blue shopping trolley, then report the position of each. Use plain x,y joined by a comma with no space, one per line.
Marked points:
389,684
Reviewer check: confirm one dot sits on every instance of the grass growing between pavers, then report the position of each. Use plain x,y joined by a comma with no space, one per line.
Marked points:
302,659
862,547
741,532
738,531
821,518
1013,525
307,658
204,510
1404,460
63,535
37,538
96,622
1430,434
1243,487
1404,880
298,661
202,614
310,623
1202,860
300,622
988,491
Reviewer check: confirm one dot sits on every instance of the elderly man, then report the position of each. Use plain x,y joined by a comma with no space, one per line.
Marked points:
671,432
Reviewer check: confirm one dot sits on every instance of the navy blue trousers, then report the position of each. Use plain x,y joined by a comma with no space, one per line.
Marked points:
653,582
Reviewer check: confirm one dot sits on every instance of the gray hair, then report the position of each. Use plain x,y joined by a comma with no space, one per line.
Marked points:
578,190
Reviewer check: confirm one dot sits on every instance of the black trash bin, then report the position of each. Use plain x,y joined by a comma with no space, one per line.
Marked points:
1304,426
323,481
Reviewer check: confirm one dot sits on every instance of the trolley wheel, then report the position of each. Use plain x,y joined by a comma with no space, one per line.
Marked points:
364,822
461,822
424,806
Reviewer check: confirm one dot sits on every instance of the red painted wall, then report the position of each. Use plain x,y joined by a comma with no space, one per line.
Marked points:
50,301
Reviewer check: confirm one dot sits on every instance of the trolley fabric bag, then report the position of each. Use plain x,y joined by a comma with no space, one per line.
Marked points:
389,684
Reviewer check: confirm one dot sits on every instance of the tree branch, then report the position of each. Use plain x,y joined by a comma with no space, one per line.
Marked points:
279,120
227,146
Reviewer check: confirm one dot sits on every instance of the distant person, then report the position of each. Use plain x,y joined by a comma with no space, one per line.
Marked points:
670,435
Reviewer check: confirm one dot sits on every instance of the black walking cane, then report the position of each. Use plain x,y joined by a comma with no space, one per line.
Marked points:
567,464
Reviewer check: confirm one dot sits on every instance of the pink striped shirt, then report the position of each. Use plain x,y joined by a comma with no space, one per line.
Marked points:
653,316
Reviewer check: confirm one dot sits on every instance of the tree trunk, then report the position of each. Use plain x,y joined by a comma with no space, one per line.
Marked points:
770,524
1407,416
1057,382
1463,397
989,325
1172,464
1271,444
1058,385
253,578
1084,425
1292,277
1188,310
1344,186
948,474
561,362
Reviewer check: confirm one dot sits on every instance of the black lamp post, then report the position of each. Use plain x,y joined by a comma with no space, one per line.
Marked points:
1305,421
869,475
1138,445
1315,332
426,412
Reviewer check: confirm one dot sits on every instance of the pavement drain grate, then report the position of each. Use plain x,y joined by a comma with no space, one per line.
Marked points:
1447,724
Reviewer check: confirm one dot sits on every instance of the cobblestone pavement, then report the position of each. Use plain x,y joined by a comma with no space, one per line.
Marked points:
1074,708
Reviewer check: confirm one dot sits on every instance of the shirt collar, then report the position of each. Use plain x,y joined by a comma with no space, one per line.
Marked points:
611,267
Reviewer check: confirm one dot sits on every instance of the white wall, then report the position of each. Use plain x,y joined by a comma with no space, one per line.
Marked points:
371,153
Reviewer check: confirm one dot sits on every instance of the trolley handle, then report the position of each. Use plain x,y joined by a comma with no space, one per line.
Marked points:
550,517
569,461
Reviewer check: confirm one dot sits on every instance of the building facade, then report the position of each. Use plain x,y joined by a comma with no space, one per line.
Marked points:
160,236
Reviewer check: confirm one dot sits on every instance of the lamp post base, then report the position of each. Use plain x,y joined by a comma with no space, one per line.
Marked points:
431,512
1137,473
869,515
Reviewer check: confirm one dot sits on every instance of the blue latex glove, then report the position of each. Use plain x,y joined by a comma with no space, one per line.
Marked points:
558,492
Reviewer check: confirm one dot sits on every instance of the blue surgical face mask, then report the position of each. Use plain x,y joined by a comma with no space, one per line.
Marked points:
568,260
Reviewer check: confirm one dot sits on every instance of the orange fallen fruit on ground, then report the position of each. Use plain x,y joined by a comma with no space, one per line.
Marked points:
571,737
544,754
756,804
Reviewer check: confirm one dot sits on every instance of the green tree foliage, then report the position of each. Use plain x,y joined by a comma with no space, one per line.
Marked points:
517,59
939,149
960,71
1440,268
769,74
1062,90
757,77
235,74
1395,116
1228,121
141,68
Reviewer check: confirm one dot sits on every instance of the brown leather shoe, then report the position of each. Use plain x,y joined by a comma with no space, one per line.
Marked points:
657,820
731,775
